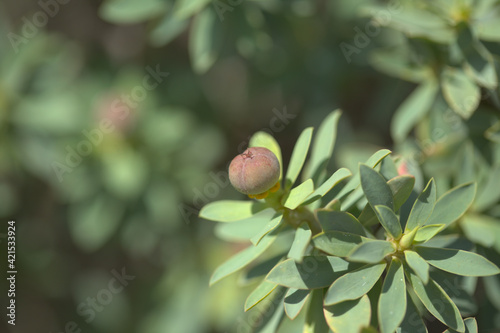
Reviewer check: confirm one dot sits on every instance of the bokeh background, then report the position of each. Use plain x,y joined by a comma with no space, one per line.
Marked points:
118,119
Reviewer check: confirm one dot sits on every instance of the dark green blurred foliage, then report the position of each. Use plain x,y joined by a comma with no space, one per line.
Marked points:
233,66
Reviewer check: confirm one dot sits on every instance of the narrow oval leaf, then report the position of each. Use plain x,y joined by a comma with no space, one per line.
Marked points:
298,157
204,40
299,194
371,252
270,226
315,319
338,243
266,140
413,109
457,261
412,321
437,302
349,316
243,230
423,207
294,301
330,183
340,221
322,149
481,229
230,210
401,187
258,294
490,191
460,91
470,326
242,258
355,284
460,198
392,301
389,221
427,232
314,272
375,187
418,264
300,243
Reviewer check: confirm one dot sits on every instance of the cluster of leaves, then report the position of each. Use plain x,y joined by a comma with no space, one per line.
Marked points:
379,266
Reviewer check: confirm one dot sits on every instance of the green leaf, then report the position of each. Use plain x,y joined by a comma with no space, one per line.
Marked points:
186,8
338,243
482,229
437,302
490,191
423,207
242,258
418,264
460,198
314,272
427,232
457,261
478,61
392,301
299,194
274,314
330,183
258,294
355,284
298,157
230,210
315,320
266,140
300,242
401,187
412,321
375,187
130,11
461,93
294,301
371,252
204,40
389,221
167,29
322,149
413,109
340,221
243,230
349,316
270,226
470,326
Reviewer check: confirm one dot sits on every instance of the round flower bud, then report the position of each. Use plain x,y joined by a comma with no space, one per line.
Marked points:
255,171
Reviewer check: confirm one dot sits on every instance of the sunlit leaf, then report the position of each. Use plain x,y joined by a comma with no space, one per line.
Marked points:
392,301
300,242
230,210
389,221
337,243
340,221
460,198
270,226
299,194
298,157
259,293
330,183
294,301
418,264
371,252
349,316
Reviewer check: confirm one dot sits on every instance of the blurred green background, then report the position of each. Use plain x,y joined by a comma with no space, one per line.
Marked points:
117,121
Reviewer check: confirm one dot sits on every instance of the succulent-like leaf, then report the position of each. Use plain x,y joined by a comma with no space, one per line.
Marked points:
294,301
315,320
230,210
460,198
268,227
389,221
401,187
371,252
340,221
330,183
460,91
470,326
298,157
413,109
349,316
258,294
322,148
314,272
437,302
355,284
427,232
392,301
375,187
412,321
482,229
299,194
458,262
242,258
243,230
338,243
204,40
423,207
300,243
418,264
